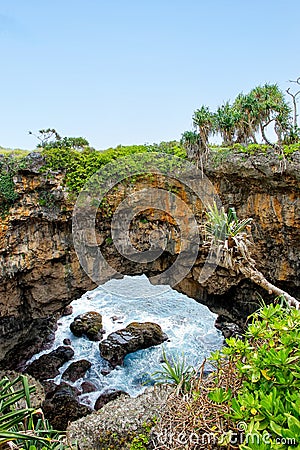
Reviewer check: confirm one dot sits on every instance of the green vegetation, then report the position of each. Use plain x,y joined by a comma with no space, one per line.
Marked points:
251,401
175,371
230,240
8,168
243,121
141,441
21,426
268,363
81,165
15,152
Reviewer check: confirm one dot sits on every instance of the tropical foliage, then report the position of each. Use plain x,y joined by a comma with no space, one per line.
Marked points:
81,165
21,425
175,371
231,241
250,117
251,401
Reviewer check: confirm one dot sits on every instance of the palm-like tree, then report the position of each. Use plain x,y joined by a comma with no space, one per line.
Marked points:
271,107
192,143
203,119
248,123
231,240
227,119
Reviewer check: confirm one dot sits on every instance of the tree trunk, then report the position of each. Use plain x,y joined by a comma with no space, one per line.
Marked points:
262,129
258,278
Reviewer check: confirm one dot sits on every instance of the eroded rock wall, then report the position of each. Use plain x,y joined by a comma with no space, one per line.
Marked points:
40,273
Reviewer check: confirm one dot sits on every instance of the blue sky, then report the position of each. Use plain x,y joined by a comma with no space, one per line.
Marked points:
130,72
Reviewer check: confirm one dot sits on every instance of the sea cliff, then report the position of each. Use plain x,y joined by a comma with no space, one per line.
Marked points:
40,272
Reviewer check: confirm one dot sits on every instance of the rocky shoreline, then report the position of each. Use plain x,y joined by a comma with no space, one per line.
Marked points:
62,405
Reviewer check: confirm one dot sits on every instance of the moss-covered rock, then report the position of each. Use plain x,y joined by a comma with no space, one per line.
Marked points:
88,324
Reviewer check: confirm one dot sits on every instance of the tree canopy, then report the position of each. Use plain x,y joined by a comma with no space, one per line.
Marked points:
247,120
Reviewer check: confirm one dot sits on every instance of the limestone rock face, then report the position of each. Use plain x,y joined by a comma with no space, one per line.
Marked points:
88,324
40,273
136,336
118,422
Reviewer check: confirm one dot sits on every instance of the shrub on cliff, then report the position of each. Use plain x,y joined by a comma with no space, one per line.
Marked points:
8,168
81,165
230,240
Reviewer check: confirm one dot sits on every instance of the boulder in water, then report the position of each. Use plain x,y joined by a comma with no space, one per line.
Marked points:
135,336
76,370
87,387
88,324
47,365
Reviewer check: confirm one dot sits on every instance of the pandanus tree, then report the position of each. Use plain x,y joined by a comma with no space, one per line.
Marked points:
231,240
271,107
247,125
227,119
191,141
203,120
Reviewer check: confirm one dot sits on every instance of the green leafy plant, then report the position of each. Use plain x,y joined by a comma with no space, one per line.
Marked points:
20,424
268,364
79,166
8,195
251,401
175,371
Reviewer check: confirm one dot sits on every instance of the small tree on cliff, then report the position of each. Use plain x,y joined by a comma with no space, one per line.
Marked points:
49,139
45,136
203,120
231,240
191,141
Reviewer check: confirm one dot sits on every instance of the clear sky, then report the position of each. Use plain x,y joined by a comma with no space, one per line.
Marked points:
133,71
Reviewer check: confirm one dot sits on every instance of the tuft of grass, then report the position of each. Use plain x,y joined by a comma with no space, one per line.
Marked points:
175,371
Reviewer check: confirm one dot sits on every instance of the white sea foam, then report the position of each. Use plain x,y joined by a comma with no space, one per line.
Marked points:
188,324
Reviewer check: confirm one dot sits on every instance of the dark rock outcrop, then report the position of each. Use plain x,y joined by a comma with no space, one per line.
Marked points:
228,328
135,336
88,386
61,407
47,365
76,370
88,324
108,396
